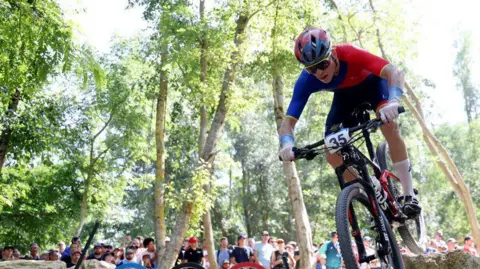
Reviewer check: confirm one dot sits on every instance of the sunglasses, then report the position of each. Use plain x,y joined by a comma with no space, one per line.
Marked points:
322,65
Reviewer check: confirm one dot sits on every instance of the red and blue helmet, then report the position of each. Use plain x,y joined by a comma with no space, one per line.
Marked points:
312,46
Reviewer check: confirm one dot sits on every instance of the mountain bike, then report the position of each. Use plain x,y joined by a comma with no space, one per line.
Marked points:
370,202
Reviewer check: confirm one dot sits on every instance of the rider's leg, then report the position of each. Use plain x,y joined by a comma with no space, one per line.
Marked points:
335,161
399,156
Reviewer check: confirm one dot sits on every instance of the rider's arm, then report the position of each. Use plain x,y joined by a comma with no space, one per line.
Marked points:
301,93
377,66
396,81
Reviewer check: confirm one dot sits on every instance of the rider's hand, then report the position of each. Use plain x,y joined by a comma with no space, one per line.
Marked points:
389,113
286,153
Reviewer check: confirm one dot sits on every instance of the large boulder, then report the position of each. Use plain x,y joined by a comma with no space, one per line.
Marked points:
452,260
94,264
29,264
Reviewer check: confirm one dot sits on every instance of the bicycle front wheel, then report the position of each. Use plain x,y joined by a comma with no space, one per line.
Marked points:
354,215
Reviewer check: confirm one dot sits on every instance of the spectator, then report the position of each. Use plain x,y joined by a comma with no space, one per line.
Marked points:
181,253
129,257
34,249
16,255
321,261
68,259
193,253
53,255
140,247
75,257
226,264
147,261
281,256
149,245
7,253
108,249
468,245
451,244
332,251
136,256
118,254
263,251
251,242
97,253
442,247
205,254
271,241
223,253
61,247
110,258
241,253
75,240
432,247
439,238
44,256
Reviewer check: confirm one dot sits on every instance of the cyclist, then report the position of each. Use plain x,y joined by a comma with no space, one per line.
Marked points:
354,76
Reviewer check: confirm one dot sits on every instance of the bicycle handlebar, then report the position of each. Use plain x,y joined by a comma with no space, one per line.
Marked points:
308,152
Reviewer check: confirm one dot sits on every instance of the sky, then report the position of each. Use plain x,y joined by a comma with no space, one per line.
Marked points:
99,20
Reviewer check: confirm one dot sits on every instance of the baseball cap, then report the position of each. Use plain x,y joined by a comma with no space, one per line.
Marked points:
451,240
167,239
129,251
192,240
265,233
226,261
367,238
241,237
77,251
97,245
442,245
280,241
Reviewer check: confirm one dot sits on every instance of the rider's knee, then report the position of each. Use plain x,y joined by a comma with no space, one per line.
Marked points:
334,160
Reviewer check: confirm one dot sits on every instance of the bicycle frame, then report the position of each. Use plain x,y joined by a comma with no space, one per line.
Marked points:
354,158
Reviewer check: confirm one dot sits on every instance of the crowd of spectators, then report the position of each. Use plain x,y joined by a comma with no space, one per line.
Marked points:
270,252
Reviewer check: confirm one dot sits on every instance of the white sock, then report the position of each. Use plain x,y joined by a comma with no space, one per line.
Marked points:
403,170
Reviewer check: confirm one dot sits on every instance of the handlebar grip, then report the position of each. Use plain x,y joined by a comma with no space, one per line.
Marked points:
294,149
401,109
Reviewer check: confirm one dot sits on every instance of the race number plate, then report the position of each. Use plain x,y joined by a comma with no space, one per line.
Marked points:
336,141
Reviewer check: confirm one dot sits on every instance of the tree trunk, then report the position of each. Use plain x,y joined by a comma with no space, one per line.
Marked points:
7,132
167,260
446,163
216,129
159,207
207,218
86,192
302,224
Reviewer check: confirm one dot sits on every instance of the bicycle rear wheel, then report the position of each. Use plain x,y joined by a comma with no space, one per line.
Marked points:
413,231
354,214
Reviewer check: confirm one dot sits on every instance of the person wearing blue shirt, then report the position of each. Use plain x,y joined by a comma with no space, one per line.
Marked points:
331,249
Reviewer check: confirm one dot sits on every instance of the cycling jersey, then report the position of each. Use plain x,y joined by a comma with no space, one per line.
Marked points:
358,80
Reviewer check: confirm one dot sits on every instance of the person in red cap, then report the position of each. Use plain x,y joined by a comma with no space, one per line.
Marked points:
193,253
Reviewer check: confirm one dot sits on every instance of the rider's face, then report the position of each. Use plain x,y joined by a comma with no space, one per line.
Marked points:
326,75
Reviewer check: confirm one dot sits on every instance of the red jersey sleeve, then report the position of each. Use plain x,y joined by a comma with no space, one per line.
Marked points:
359,56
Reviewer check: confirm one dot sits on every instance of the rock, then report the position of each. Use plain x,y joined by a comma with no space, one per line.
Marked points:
452,260
94,264
29,264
